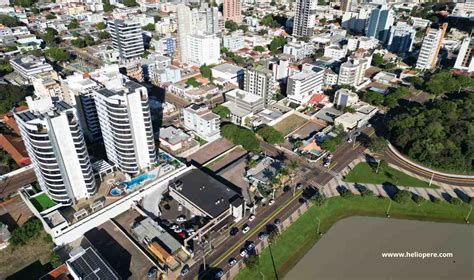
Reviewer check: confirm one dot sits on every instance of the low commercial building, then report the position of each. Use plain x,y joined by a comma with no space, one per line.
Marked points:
176,140
230,73
361,117
234,41
335,51
298,50
205,196
29,66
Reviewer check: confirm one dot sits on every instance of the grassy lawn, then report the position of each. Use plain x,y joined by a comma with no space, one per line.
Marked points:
365,173
300,237
289,124
42,202
200,140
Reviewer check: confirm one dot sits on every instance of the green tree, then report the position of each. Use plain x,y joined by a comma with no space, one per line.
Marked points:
25,3
49,36
402,196
55,260
35,11
74,24
442,83
231,25
51,16
103,35
10,95
5,68
149,27
222,111
271,135
252,262
276,44
319,199
9,21
241,136
244,28
101,26
206,71
377,147
377,60
107,6
28,230
259,49
193,82
130,3
89,40
57,54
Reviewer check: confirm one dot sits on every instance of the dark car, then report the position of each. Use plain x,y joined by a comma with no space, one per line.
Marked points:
219,274
185,270
152,272
232,261
277,222
233,231
262,235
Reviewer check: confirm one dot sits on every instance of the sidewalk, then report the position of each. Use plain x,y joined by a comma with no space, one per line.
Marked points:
445,191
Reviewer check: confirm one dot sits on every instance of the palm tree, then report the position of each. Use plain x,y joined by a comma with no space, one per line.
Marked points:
292,166
377,147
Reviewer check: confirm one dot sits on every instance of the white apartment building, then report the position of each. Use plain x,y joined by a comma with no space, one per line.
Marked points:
229,73
465,59
298,50
303,85
303,23
330,78
281,69
80,89
124,116
335,52
430,48
352,72
53,138
356,21
202,122
260,81
203,49
127,38
344,98
234,41
30,65
242,105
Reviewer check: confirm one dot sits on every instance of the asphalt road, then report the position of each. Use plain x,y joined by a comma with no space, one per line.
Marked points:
284,206
12,184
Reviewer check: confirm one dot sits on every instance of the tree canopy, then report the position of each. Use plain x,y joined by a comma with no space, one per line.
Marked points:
149,27
9,21
206,71
271,135
130,3
276,44
438,134
10,95
222,111
231,25
193,82
57,54
74,24
259,49
49,36
101,25
241,136
445,82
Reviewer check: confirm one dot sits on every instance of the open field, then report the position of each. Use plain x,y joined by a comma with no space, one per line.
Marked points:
289,124
299,238
37,248
365,173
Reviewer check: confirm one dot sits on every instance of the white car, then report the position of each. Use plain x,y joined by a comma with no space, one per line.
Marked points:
327,164
181,219
180,207
349,140
252,217
329,156
271,202
243,253
245,229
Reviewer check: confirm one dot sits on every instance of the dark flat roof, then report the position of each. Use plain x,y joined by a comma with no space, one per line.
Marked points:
204,192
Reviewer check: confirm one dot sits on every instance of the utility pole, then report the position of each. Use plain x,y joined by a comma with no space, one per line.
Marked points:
431,180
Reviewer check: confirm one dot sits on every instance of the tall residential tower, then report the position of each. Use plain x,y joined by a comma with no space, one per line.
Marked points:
430,48
53,138
304,21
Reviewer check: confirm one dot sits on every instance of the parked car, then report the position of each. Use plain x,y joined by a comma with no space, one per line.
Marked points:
349,140
178,230
329,156
181,218
152,272
250,246
185,270
232,261
262,235
326,163
233,231
251,217
219,274
182,234
299,186
277,222
174,226
271,202
243,253
245,229
180,207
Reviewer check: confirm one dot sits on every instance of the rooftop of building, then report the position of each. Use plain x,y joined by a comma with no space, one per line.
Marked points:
150,230
30,62
235,110
205,192
243,95
173,135
55,109
228,68
328,114
88,265
202,111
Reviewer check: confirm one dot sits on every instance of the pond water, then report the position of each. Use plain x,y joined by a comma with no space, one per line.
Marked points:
353,247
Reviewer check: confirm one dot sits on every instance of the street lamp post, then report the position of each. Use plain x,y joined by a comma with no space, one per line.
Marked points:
468,214
388,210
263,276
319,225
431,180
